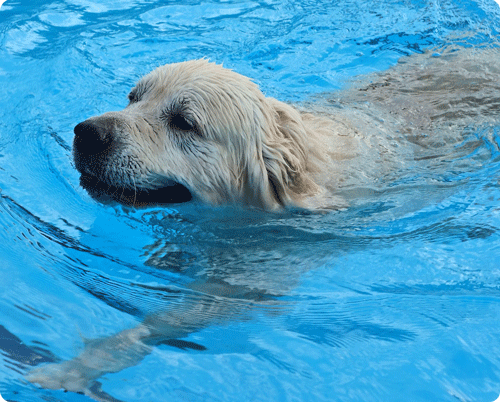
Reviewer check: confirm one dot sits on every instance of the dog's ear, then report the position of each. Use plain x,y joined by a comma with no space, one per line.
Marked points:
277,161
284,153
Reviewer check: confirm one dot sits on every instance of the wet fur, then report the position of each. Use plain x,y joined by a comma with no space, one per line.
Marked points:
213,131
249,149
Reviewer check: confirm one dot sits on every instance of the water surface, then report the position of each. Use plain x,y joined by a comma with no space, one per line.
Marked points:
394,298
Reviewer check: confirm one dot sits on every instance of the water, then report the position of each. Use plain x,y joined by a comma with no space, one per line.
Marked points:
394,298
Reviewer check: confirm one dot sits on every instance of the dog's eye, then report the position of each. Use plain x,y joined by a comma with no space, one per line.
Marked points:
178,121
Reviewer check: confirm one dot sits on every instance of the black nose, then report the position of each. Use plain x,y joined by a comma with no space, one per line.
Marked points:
93,137
93,143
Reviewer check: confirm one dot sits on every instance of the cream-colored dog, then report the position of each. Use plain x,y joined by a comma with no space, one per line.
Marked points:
198,129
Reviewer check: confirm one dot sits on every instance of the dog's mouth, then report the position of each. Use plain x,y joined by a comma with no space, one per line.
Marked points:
139,197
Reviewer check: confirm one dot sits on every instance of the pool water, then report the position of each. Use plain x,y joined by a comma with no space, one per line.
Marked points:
395,297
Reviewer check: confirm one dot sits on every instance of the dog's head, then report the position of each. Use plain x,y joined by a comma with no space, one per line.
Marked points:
194,129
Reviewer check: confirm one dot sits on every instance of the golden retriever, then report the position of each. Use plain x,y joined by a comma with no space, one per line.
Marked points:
196,129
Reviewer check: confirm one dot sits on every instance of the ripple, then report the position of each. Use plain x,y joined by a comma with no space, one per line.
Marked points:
61,19
100,7
25,38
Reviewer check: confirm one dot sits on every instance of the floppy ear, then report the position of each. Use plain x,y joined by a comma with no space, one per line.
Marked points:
284,153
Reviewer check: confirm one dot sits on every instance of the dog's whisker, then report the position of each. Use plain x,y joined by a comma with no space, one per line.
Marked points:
135,191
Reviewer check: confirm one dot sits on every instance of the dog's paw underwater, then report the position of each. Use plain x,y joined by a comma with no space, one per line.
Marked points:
66,375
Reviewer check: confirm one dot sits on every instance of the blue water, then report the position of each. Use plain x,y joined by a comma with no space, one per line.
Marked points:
396,297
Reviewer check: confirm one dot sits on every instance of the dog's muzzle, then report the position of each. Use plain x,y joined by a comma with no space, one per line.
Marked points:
95,141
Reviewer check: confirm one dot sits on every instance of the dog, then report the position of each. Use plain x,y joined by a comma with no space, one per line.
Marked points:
198,130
